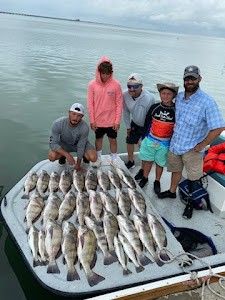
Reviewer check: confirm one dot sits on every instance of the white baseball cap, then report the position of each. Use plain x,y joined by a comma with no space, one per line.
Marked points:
78,108
134,78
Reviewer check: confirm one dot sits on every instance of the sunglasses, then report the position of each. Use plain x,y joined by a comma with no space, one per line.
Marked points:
133,86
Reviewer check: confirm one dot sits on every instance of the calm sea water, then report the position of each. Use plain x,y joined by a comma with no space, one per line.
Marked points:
45,66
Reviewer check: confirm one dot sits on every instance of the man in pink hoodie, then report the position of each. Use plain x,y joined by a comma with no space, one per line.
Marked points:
105,103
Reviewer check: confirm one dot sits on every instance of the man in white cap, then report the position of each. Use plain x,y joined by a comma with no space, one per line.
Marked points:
137,102
198,123
70,134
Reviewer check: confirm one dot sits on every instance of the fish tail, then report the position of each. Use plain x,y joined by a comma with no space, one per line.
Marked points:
72,275
126,272
52,267
144,260
36,263
139,269
94,278
113,253
109,259
164,256
158,261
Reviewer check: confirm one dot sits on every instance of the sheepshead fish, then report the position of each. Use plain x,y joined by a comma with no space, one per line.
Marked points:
41,248
53,185
101,241
82,207
138,201
51,210
33,243
127,179
67,207
78,180
42,183
111,229
29,184
115,179
52,243
103,180
87,254
129,250
65,182
158,233
34,209
109,202
124,202
96,205
69,250
91,180
121,255
128,230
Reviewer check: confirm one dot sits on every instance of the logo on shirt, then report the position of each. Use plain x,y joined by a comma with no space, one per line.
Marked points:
110,93
164,115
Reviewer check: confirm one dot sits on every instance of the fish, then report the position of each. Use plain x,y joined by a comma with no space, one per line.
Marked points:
67,207
111,228
41,248
65,182
82,207
53,184
146,237
115,179
129,250
69,250
53,239
33,243
138,201
34,209
51,210
109,202
86,252
127,179
124,202
91,180
96,205
128,230
42,183
78,180
29,184
103,180
101,241
121,255
159,234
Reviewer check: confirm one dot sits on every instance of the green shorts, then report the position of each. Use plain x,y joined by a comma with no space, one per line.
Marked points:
153,151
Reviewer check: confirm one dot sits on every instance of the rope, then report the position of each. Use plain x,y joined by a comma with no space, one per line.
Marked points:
185,260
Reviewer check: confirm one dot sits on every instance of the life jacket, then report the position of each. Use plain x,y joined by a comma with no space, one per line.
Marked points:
215,159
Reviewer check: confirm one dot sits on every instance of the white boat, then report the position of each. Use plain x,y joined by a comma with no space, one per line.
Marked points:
154,281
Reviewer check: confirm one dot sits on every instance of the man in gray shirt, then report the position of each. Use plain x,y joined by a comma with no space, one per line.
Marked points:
137,102
70,134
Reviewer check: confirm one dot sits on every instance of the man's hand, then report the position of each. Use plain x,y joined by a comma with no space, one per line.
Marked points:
70,159
93,126
200,146
116,127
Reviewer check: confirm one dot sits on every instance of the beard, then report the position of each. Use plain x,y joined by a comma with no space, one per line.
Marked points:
191,88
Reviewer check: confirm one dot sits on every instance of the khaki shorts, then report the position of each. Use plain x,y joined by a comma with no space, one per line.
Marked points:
192,161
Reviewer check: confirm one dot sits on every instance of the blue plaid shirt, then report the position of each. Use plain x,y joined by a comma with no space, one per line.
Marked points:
195,117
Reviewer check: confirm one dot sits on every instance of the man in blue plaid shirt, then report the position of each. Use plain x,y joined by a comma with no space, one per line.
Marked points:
198,122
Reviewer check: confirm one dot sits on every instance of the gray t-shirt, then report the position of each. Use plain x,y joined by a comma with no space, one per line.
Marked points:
71,139
136,109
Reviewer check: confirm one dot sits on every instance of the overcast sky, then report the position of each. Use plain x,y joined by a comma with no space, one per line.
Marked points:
184,16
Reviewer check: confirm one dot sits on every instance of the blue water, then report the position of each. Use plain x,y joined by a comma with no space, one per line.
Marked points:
45,66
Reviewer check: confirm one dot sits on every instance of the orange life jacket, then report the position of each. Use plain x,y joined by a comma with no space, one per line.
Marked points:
215,159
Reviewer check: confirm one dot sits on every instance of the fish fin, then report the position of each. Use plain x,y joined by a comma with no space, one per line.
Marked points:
158,261
72,275
113,253
93,261
164,256
126,272
109,259
139,269
25,196
53,268
94,278
59,253
144,260
36,263
64,260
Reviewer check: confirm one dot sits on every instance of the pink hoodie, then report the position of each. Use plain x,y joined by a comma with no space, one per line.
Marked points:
104,100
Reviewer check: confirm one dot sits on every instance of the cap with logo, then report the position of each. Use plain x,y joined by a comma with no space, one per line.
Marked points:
78,108
134,78
192,71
